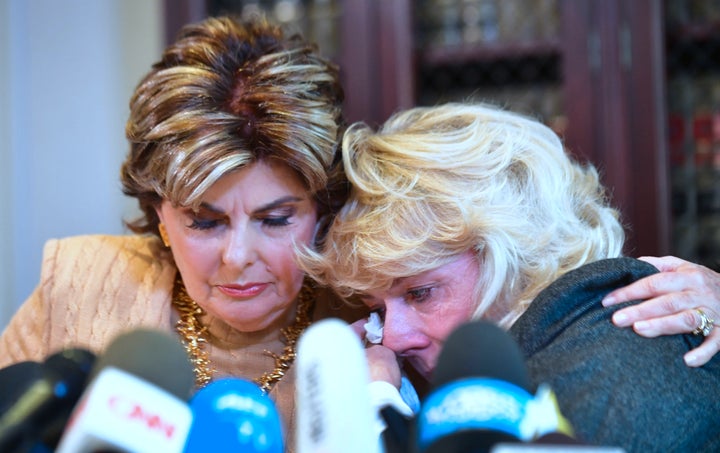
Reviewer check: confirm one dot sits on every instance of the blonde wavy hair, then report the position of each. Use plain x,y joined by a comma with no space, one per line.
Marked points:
435,182
226,94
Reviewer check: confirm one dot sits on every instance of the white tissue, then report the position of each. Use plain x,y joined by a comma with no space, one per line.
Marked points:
374,329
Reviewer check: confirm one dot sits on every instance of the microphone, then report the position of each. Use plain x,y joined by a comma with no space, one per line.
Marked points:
332,395
233,414
481,395
46,399
15,379
397,434
136,398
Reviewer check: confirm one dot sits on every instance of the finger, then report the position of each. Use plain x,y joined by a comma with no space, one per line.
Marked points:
703,353
683,322
383,365
359,327
646,288
665,263
657,307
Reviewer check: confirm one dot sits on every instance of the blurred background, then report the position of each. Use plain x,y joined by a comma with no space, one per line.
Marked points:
631,86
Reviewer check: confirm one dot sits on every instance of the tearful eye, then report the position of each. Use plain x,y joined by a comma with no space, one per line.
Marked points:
419,294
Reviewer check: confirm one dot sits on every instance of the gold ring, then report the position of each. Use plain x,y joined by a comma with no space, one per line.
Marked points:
706,324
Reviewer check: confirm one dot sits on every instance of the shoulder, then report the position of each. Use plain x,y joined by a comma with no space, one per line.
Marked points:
92,246
98,254
603,374
609,272
597,278
105,261
96,285
578,293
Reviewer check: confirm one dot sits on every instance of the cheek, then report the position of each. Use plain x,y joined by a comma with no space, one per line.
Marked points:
452,318
279,254
199,257
308,226
304,234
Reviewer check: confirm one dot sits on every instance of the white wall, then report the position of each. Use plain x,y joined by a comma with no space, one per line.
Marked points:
67,70
6,291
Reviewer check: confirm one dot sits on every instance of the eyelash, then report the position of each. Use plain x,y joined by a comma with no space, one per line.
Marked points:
198,224
417,295
420,294
271,222
276,222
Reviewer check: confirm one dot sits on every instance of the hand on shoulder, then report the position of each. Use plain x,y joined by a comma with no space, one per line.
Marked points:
684,297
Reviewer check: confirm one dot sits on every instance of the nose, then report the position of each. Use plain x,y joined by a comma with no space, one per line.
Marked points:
239,248
402,330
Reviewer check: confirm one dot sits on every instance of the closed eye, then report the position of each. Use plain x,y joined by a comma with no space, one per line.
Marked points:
278,213
206,218
204,224
276,222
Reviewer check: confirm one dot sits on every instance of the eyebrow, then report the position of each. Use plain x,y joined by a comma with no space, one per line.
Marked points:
266,207
422,275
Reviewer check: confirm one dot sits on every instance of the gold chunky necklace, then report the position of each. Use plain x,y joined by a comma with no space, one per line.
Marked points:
193,334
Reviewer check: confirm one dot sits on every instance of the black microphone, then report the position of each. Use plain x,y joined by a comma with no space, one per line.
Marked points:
15,380
397,434
481,395
44,404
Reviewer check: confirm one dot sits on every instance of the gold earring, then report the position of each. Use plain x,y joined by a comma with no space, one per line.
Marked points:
163,234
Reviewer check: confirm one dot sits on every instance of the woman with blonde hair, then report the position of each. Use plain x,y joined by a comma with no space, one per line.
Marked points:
461,212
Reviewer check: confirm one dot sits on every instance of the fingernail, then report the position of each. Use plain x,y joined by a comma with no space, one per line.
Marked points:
641,326
620,318
609,300
691,360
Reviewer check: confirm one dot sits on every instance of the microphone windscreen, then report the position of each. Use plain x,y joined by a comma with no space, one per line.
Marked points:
397,434
481,349
233,414
153,356
479,394
39,410
75,365
136,400
332,391
15,379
